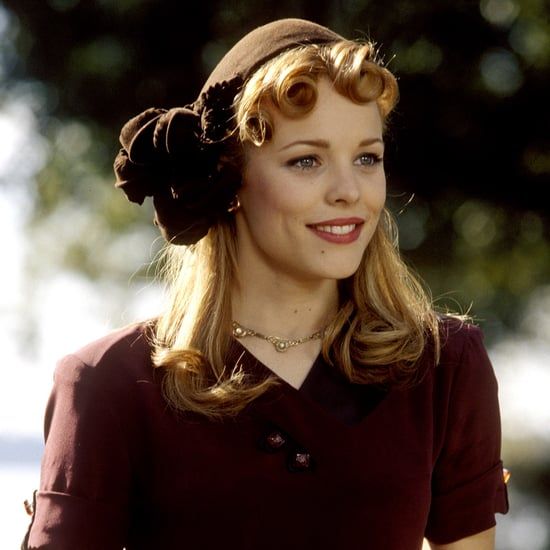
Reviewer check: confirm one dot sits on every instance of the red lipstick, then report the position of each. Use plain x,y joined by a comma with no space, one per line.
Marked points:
338,230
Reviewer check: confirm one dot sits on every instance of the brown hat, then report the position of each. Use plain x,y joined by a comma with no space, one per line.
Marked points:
172,155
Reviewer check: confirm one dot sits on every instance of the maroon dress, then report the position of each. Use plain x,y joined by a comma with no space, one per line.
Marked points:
331,465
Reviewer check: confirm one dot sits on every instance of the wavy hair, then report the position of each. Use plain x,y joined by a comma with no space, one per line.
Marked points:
386,319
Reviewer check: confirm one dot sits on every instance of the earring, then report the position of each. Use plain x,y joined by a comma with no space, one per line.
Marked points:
234,205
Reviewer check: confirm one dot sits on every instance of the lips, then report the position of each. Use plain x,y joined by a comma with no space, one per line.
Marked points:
340,230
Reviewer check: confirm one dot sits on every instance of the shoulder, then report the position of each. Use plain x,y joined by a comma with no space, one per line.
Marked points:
119,357
124,344
464,359
457,337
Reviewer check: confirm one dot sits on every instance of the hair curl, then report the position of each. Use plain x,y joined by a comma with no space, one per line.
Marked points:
289,83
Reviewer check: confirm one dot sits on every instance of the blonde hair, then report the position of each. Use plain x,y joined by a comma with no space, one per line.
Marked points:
386,318
289,82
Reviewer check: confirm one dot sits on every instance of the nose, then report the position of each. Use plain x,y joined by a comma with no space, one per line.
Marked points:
344,186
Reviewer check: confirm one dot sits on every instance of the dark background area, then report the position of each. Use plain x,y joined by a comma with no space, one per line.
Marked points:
105,61
469,137
468,155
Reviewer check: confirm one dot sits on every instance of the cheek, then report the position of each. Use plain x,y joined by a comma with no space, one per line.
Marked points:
376,196
271,202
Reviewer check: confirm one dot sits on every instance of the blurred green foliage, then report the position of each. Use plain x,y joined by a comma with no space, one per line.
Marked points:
467,157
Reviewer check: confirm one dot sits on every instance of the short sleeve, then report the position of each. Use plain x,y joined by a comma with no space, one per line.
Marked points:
85,477
467,483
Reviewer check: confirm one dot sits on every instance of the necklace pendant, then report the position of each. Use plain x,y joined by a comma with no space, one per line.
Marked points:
281,345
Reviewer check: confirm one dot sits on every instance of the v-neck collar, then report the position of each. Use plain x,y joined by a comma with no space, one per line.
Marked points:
325,385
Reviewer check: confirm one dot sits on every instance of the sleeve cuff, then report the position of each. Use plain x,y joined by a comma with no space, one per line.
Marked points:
65,522
468,509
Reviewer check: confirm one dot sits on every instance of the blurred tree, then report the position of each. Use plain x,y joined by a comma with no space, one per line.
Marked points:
469,137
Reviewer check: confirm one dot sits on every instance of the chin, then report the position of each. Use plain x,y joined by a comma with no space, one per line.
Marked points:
342,271
345,274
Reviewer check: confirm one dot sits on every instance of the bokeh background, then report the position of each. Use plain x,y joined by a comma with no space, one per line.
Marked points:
468,167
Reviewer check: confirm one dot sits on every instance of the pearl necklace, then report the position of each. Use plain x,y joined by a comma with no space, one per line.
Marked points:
280,344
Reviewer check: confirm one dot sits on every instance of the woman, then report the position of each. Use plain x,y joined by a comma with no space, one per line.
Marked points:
299,391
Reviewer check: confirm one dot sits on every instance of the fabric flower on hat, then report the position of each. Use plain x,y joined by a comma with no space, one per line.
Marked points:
216,105
163,157
179,156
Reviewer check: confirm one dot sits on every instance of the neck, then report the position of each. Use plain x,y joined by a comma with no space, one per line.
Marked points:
279,306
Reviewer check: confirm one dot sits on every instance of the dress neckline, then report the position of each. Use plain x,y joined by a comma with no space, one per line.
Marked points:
259,370
324,386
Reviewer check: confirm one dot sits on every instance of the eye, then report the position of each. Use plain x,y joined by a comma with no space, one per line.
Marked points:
303,163
369,159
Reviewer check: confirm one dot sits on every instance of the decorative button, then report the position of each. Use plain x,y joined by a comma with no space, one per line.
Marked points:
275,440
300,461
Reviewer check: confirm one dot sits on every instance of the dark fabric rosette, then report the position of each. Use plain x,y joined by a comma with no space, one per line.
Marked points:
164,156
178,156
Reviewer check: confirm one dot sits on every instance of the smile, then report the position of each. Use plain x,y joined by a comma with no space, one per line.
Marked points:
335,229
338,233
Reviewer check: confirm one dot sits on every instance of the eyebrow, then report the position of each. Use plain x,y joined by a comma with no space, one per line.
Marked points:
325,144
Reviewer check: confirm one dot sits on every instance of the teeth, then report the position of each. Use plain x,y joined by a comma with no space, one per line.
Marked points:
336,229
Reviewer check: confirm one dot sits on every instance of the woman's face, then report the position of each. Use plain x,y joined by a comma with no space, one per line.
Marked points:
312,196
